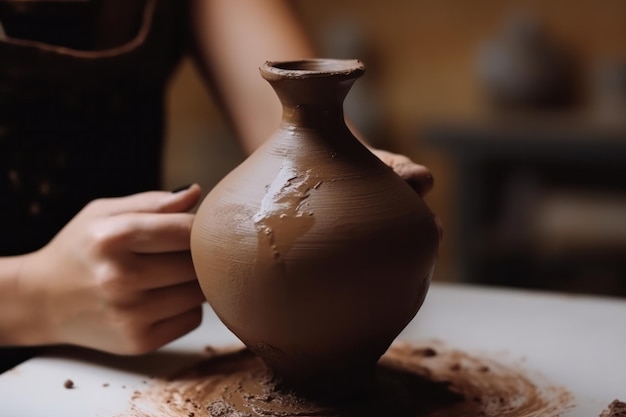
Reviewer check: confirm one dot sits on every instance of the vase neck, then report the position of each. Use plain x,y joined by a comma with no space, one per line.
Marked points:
313,101
313,116
312,92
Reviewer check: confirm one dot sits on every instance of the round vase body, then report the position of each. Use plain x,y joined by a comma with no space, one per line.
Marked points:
312,251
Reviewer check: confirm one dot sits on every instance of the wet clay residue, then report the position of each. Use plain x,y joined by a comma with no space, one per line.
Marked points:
615,409
412,381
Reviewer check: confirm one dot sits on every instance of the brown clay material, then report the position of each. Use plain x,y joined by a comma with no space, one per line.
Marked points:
408,384
615,409
312,251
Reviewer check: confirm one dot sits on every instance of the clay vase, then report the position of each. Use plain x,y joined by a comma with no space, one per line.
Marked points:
313,251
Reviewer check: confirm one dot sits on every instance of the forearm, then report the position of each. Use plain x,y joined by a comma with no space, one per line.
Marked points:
19,307
232,39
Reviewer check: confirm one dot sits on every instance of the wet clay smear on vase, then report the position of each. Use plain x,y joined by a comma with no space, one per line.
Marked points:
411,381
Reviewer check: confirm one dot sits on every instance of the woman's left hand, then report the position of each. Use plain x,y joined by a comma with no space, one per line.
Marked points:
418,176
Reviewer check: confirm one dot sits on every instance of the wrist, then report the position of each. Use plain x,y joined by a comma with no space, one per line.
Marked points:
22,315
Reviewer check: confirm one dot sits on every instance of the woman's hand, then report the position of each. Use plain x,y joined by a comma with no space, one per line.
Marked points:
118,277
418,176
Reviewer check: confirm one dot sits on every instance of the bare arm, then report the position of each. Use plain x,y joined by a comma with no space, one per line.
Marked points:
232,39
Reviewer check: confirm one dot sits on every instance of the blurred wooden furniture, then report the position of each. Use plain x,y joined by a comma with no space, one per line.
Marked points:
540,202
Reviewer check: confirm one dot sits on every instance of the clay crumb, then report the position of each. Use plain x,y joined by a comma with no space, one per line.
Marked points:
68,384
106,384
615,409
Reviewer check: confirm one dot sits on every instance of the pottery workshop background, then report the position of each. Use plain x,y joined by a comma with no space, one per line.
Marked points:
518,108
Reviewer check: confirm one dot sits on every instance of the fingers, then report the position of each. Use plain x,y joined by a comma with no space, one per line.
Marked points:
156,233
152,319
164,314
174,327
150,272
138,338
417,176
148,202
141,233
163,303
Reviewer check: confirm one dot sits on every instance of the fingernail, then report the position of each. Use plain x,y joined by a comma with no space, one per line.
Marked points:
183,188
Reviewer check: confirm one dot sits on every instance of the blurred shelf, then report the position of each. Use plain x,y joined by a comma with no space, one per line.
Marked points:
539,200
562,137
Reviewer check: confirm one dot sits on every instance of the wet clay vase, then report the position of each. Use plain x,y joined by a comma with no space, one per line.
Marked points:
314,252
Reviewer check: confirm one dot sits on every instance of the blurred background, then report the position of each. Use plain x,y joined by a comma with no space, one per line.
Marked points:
518,108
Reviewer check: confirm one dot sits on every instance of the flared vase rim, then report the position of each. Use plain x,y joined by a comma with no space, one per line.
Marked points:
312,68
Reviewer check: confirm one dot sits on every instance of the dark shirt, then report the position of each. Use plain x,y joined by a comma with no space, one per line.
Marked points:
81,108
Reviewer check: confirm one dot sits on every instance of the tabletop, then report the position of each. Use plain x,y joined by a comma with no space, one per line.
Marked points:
576,343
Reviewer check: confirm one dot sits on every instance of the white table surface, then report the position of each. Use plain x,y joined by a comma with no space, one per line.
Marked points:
575,341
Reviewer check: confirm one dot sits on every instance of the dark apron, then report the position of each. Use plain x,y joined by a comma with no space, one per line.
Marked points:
79,122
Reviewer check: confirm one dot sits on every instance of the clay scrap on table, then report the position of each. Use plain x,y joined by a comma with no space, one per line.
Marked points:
615,409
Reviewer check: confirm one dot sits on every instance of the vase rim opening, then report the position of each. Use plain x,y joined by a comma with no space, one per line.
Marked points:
311,68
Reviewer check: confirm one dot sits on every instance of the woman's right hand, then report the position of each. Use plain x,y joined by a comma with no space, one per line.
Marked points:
118,277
